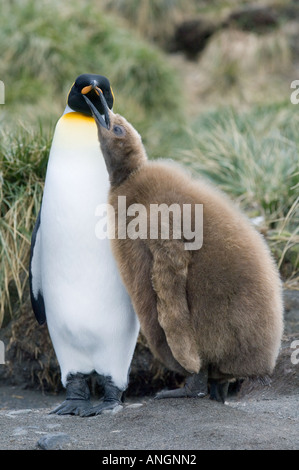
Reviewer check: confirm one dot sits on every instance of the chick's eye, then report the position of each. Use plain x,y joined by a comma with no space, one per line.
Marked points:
118,130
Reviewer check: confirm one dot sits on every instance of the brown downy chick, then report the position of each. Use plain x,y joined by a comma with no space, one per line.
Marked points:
212,313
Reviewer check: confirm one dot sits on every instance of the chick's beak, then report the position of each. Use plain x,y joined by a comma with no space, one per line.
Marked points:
104,122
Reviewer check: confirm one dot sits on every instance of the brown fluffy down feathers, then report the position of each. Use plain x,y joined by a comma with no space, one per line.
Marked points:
218,307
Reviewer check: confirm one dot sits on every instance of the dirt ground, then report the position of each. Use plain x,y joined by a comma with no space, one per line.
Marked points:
254,422
260,417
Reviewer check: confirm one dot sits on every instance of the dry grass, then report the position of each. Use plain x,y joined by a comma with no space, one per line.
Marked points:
239,69
23,160
253,156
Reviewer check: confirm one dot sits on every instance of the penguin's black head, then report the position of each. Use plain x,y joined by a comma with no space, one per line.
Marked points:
90,85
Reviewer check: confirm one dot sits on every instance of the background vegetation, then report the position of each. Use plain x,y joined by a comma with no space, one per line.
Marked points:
225,112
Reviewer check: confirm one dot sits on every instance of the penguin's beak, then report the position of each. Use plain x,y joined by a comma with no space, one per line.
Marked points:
92,86
103,121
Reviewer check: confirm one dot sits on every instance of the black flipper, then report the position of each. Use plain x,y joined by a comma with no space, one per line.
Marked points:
37,300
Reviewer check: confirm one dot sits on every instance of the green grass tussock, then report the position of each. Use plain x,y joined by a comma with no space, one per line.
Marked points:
253,156
23,159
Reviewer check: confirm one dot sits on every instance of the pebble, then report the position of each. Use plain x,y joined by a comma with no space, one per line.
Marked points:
19,432
115,410
53,426
14,413
54,441
134,405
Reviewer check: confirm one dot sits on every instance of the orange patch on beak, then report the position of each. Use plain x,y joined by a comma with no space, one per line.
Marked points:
97,89
86,89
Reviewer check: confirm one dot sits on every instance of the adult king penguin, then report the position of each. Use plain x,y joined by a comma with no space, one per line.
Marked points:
74,281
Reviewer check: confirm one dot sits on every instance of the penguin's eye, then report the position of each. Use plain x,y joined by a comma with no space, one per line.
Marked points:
119,130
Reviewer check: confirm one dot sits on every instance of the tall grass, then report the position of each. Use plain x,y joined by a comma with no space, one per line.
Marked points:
241,69
154,19
253,156
23,159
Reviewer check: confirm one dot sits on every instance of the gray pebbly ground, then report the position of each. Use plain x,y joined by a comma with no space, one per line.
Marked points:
261,417
265,422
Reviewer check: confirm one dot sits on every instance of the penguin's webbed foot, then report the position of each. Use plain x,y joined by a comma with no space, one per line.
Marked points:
72,407
77,396
111,401
196,386
104,407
